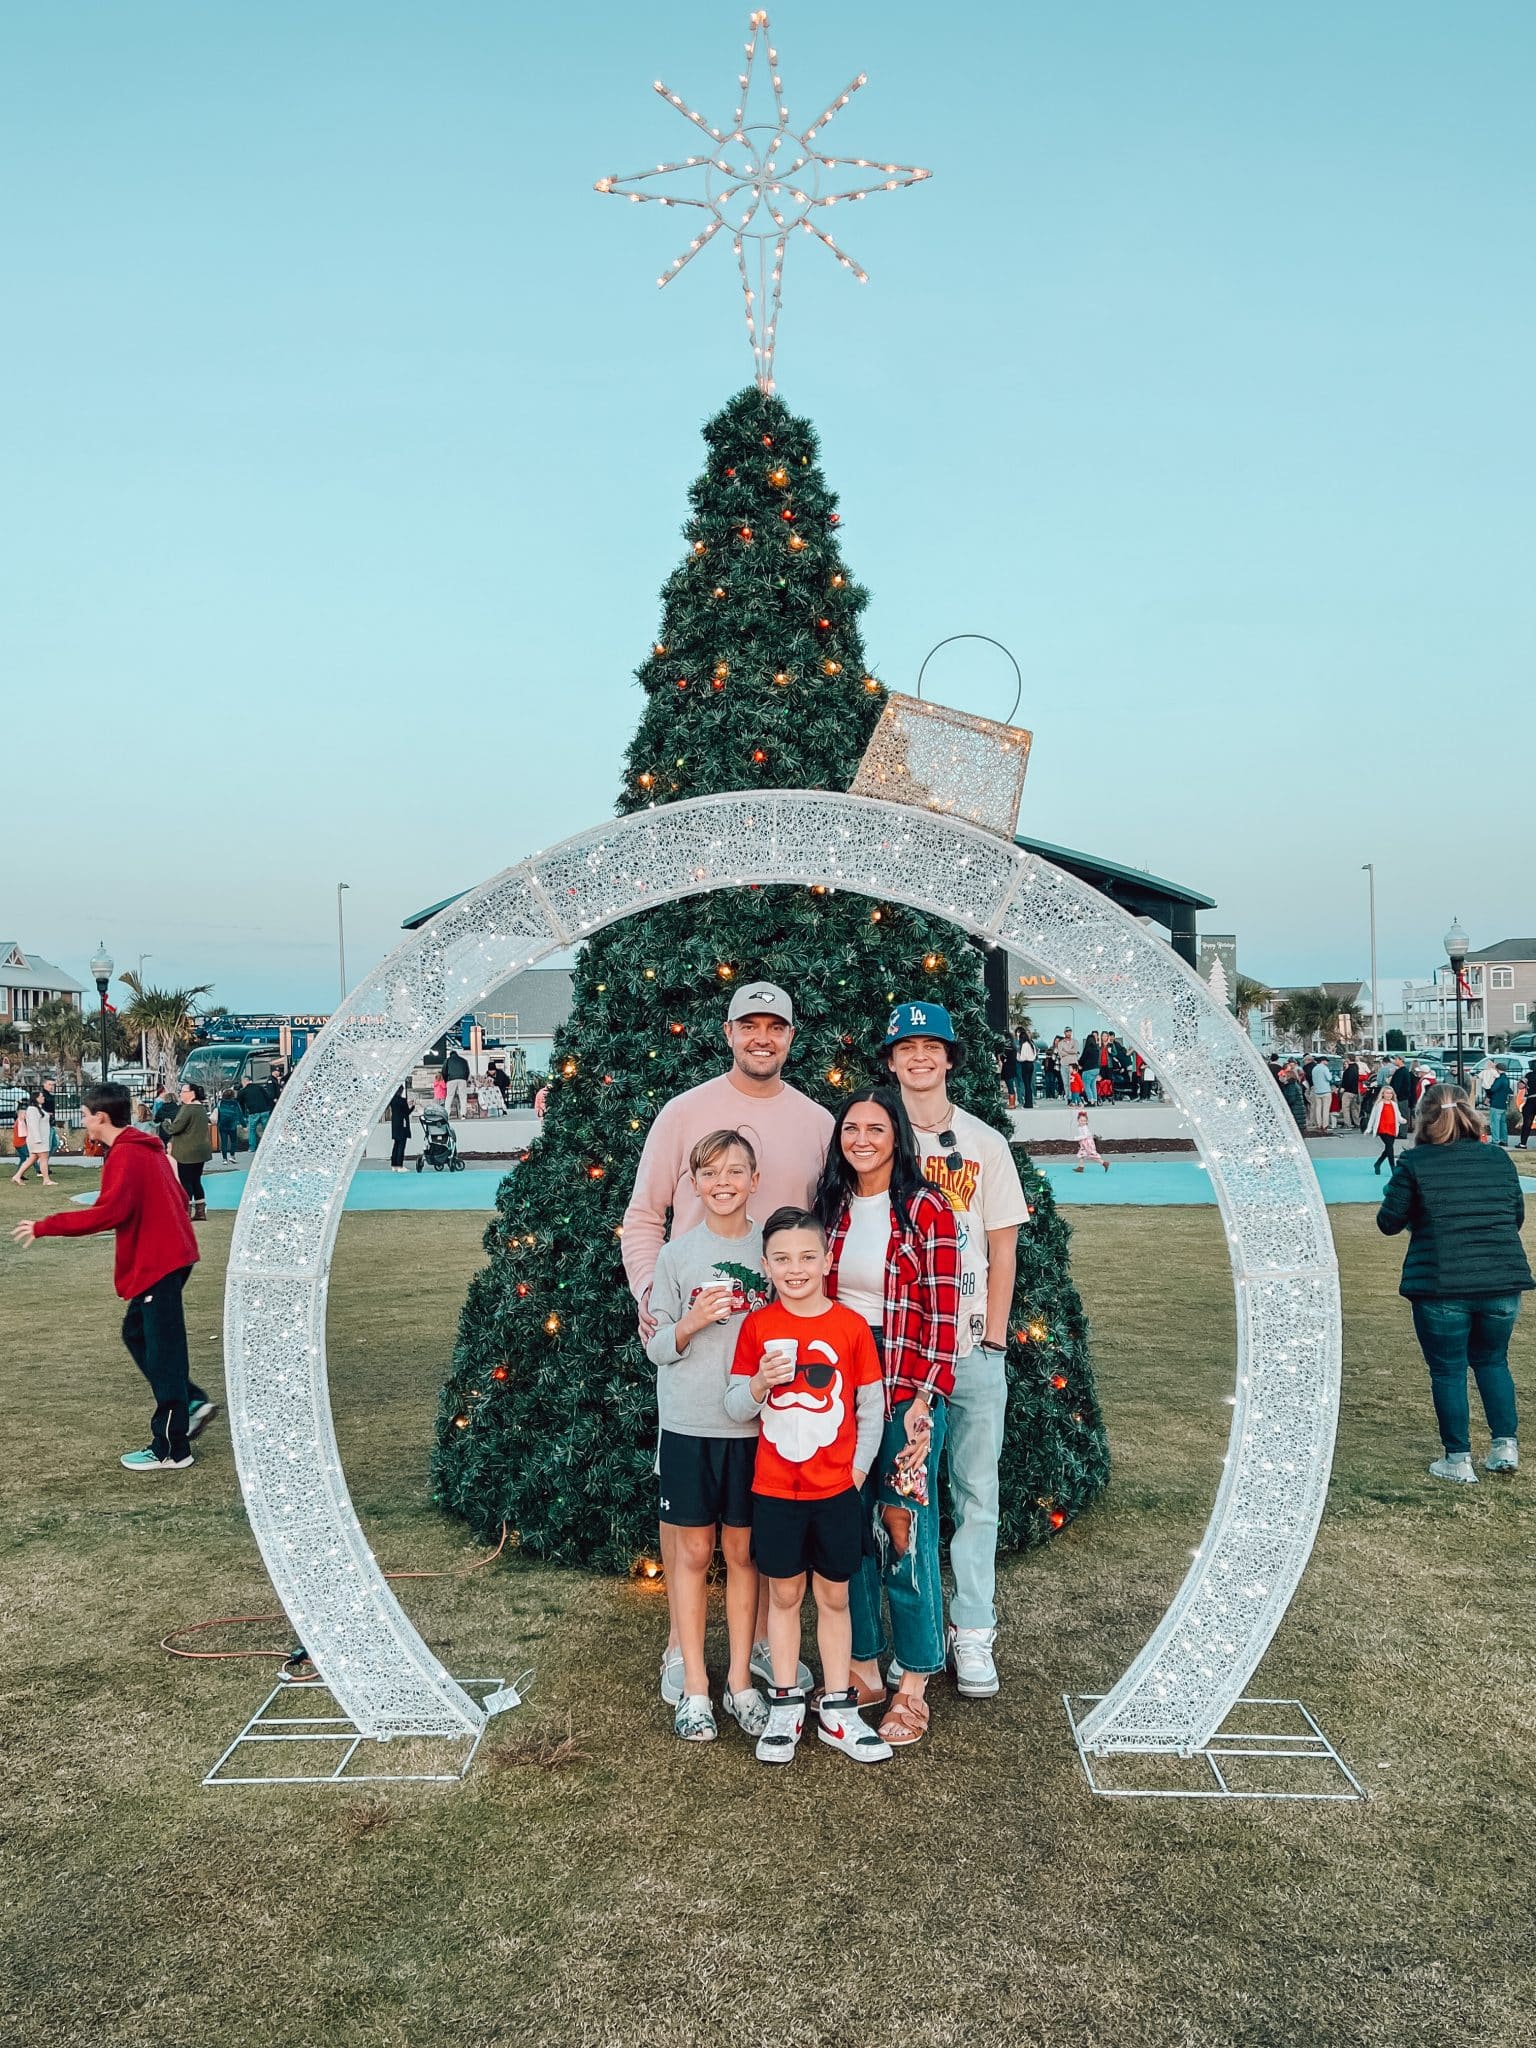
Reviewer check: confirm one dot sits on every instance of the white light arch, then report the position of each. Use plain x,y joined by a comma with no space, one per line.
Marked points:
1178,1691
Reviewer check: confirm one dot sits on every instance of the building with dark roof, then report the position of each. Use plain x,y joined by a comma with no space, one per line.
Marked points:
27,981
529,1008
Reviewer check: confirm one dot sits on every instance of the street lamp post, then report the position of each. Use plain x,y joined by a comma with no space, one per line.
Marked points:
1456,953
341,941
143,1036
101,969
1369,868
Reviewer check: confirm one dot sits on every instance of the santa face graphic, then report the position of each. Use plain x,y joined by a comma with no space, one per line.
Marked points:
803,1418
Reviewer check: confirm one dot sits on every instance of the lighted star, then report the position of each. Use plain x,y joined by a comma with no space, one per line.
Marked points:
761,181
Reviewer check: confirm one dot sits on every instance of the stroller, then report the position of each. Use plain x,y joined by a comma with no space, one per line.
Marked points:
441,1147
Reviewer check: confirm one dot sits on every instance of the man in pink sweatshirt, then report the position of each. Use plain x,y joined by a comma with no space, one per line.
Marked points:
789,1134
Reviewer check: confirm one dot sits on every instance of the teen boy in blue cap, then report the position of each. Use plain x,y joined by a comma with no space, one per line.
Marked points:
973,1165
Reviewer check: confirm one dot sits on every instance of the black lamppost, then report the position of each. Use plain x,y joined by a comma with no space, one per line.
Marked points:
101,968
1456,953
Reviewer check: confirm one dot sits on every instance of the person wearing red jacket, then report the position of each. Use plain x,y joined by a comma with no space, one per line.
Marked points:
142,1200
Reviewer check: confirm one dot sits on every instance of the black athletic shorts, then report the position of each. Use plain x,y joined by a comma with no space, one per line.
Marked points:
794,1536
706,1479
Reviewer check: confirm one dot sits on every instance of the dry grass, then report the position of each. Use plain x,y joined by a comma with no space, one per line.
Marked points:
596,1882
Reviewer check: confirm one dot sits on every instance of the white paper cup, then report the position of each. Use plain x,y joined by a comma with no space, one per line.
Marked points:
785,1348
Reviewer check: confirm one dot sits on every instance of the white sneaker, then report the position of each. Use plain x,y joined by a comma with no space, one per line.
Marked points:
895,1672
695,1718
970,1653
672,1676
1504,1456
841,1726
786,1717
761,1666
1455,1465
748,1709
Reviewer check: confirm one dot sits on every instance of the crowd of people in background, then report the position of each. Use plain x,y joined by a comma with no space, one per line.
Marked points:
1101,1069
1381,1094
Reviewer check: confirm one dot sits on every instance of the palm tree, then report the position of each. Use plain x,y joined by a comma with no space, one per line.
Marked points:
1309,1013
164,1018
1251,995
58,1030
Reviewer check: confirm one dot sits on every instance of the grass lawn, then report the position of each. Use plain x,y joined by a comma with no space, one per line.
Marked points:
641,1891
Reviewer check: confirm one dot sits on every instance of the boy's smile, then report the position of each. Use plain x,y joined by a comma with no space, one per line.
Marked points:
725,1185
797,1264
920,1063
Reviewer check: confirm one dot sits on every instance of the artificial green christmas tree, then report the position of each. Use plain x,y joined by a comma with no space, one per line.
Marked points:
757,680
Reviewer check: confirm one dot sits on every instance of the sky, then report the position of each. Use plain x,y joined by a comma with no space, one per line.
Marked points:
345,441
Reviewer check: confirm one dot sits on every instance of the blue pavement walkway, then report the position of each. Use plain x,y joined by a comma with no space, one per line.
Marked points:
1130,1182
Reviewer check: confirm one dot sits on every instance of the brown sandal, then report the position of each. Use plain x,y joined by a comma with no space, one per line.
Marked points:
906,1721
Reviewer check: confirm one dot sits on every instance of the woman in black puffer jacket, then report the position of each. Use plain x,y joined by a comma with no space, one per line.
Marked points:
1465,1271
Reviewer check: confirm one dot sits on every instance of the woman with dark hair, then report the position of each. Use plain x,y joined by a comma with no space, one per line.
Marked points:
1465,1271
401,1110
191,1142
895,1259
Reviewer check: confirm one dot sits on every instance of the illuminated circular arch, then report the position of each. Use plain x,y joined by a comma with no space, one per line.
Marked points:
1179,1689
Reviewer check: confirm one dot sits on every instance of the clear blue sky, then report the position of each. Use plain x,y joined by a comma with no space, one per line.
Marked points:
346,440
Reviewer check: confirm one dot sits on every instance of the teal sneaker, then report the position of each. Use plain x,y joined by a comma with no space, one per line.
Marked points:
199,1415
149,1461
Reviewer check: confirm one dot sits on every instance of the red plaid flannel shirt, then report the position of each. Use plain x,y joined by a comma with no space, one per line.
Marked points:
922,1297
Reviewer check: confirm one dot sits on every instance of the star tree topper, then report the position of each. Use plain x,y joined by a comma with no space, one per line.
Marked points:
761,181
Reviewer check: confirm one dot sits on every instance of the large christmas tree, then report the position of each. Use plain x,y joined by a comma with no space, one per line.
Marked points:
757,680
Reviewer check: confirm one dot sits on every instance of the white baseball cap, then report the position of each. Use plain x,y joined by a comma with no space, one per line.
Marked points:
760,999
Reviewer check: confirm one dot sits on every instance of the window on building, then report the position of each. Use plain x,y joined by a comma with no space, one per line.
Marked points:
1501,977
1521,1013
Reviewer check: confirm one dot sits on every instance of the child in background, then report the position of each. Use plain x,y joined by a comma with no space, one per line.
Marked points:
229,1124
1087,1150
808,1369
1383,1122
704,1281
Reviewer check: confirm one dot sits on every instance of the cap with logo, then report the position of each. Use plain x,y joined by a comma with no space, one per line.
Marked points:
760,999
921,1020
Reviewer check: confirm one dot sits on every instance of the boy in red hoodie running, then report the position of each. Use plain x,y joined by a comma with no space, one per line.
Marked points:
142,1200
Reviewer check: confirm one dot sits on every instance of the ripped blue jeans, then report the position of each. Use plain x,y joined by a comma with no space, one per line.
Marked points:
910,1579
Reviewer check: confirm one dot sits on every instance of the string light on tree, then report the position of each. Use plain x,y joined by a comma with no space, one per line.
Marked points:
762,181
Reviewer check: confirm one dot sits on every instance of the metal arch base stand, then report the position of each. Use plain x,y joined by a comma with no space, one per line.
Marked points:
1293,1762
338,1750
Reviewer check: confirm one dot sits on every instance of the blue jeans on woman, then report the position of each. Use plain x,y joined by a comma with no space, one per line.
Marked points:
911,1579
1498,1125
1473,1333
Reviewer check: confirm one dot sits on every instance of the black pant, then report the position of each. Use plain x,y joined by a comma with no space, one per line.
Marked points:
397,1146
191,1178
1027,1082
1527,1118
1388,1153
155,1332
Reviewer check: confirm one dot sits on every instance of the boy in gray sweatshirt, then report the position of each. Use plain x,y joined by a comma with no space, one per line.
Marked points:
706,1281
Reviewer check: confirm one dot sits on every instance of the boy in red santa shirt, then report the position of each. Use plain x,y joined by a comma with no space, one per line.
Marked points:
807,1369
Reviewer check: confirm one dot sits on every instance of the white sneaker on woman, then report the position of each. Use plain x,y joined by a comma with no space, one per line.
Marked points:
1504,1456
1454,1465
